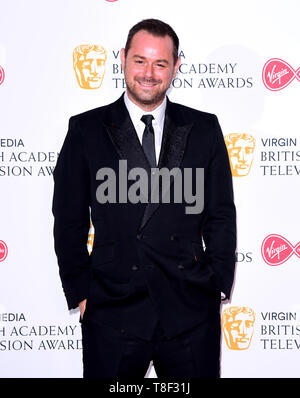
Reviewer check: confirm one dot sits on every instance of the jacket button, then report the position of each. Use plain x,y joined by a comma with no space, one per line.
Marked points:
172,237
140,236
134,267
180,266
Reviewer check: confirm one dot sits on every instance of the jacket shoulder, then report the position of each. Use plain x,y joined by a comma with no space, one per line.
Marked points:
91,114
189,114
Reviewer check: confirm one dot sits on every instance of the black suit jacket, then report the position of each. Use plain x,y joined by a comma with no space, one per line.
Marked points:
149,260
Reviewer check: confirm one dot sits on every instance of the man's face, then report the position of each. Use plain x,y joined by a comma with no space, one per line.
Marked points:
149,69
90,69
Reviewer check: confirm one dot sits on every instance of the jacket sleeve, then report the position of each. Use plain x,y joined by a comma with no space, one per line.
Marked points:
70,207
219,230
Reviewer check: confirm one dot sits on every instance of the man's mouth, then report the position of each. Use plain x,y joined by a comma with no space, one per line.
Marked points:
148,83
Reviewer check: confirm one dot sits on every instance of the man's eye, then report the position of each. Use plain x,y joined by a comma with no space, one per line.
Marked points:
161,65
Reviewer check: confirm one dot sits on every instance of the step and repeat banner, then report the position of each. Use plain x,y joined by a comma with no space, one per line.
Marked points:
241,62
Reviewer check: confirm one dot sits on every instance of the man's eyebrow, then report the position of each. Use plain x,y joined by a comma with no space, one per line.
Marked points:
157,60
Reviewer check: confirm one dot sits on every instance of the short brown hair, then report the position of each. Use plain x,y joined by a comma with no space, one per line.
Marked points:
156,28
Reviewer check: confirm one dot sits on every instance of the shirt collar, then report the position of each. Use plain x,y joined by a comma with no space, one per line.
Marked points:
136,112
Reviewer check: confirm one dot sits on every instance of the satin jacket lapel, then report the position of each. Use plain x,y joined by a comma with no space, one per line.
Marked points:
124,137
126,142
172,150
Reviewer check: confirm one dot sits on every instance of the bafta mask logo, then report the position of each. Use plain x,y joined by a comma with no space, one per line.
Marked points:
240,149
89,65
90,240
238,327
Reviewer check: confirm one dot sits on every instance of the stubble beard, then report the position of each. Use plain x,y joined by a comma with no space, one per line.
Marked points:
145,99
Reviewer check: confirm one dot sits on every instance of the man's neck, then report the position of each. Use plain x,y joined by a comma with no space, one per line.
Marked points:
144,107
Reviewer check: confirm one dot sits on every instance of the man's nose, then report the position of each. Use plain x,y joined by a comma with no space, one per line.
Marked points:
148,70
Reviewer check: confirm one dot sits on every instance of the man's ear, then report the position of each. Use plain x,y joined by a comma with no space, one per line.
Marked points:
178,62
122,56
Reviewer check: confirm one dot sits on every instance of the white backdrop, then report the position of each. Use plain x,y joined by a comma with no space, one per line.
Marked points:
224,48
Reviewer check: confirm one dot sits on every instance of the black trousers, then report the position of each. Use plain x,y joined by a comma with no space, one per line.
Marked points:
111,353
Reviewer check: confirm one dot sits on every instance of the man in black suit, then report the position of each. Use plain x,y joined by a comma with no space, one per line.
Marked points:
151,288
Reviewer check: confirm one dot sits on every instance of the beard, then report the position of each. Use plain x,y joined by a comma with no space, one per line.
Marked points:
144,97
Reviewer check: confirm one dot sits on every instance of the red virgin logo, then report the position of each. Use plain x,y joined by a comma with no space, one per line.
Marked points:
276,250
2,75
3,250
278,74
